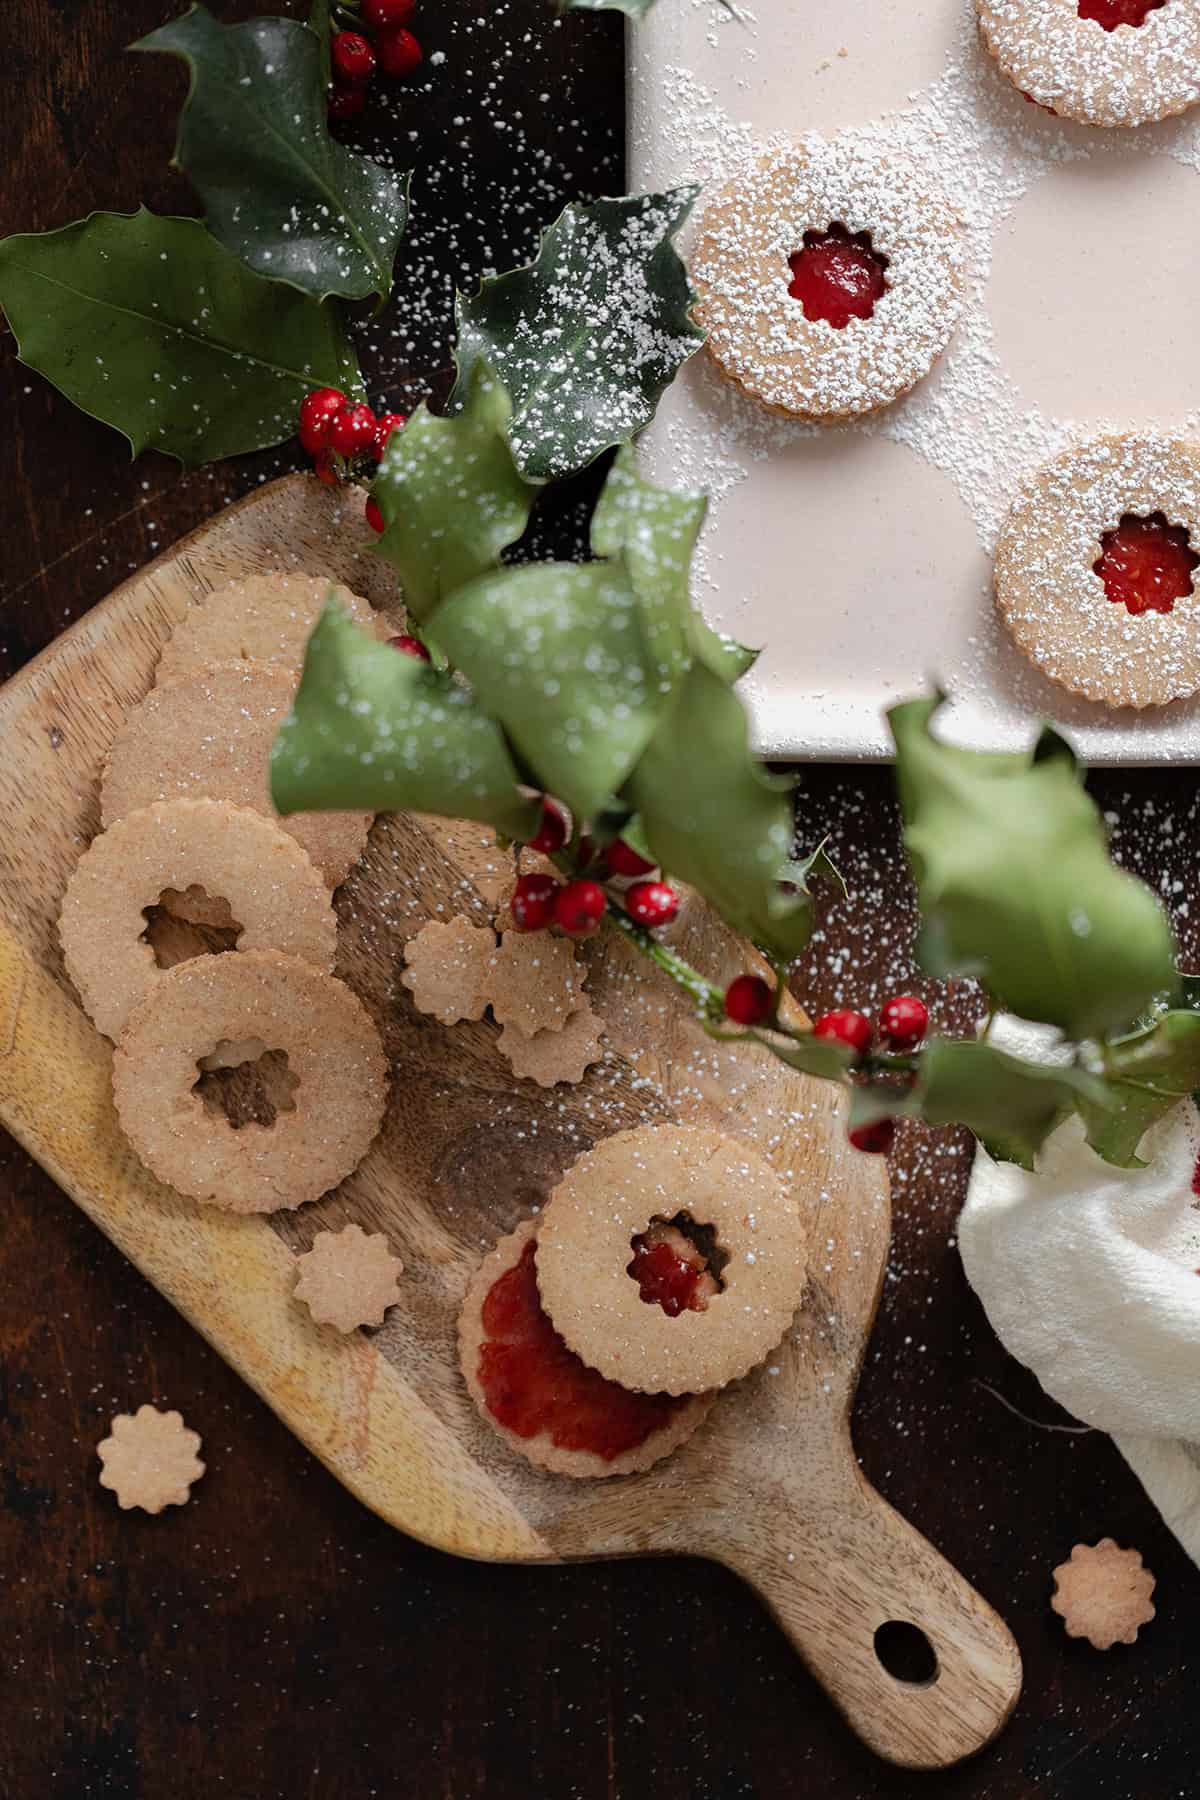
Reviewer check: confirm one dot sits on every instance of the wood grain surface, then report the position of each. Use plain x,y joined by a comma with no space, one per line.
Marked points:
275,1638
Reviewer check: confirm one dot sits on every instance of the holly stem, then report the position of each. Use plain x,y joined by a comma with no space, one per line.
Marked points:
710,999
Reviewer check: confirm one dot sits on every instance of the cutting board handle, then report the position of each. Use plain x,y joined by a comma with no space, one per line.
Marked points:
858,1585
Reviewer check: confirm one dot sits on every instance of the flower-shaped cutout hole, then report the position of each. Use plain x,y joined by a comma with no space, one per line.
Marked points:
189,922
906,1653
1111,13
1146,563
677,1264
837,276
246,1083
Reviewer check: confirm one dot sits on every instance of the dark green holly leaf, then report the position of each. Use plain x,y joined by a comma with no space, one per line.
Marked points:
655,529
555,652
818,865
450,495
282,194
712,817
814,1056
375,730
633,9
148,324
1145,1074
587,337
1016,885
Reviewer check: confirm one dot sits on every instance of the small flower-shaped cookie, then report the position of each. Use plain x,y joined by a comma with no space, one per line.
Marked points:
552,1056
348,1278
535,982
150,1460
1103,1594
448,969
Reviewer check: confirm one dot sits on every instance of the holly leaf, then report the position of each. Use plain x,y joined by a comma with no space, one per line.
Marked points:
1016,885
373,730
556,653
656,529
633,9
1146,1074
812,1055
589,334
451,496
149,325
818,865
712,817
282,194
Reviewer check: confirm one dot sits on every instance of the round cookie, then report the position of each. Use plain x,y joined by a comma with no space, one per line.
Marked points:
1056,604
611,1197
276,896
539,1397
265,618
210,734
753,237
333,1050
1078,68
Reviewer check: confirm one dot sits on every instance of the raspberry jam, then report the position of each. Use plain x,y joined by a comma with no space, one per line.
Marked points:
1147,564
671,1271
1111,13
837,277
534,1385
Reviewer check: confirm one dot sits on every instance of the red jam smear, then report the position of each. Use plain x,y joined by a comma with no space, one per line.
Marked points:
1196,1179
670,1271
1146,563
535,1386
1111,13
837,277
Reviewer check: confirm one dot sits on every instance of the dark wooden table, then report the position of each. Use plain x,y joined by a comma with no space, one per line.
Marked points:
274,1638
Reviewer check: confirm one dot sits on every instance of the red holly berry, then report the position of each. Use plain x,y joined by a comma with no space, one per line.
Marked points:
398,50
552,832
382,13
652,903
904,1021
351,429
325,468
579,907
748,1000
875,1139
346,102
845,1026
624,861
316,415
352,57
532,904
384,427
409,646
374,517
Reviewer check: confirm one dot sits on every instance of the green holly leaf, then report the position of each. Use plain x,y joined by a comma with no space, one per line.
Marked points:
373,730
711,816
656,529
818,865
450,495
1146,1074
823,1057
149,325
1016,885
633,9
589,334
281,193
556,653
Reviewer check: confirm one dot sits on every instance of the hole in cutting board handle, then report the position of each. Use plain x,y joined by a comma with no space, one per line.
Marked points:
906,1653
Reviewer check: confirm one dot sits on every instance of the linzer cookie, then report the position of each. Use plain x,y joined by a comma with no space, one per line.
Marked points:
210,735
549,1057
536,1393
829,281
448,968
1102,62
265,618
277,898
622,1297
1095,566
334,1058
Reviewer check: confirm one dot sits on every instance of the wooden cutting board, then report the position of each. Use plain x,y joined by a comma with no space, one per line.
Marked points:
769,1486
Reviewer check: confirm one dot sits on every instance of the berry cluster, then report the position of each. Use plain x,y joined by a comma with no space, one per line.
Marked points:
338,432
356,56
903,1022
578,906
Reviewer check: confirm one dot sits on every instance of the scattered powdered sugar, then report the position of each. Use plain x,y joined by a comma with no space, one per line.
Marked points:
1129,76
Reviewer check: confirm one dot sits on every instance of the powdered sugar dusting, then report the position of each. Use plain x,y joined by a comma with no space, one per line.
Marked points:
1129,76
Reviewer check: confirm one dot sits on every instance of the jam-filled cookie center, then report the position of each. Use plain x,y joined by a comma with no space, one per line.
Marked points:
1111,13
837,276
246,1083
677,1264
1146,563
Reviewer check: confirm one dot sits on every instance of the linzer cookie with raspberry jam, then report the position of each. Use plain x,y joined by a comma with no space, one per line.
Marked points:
536,1393
1101,62
829,282
1095,569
